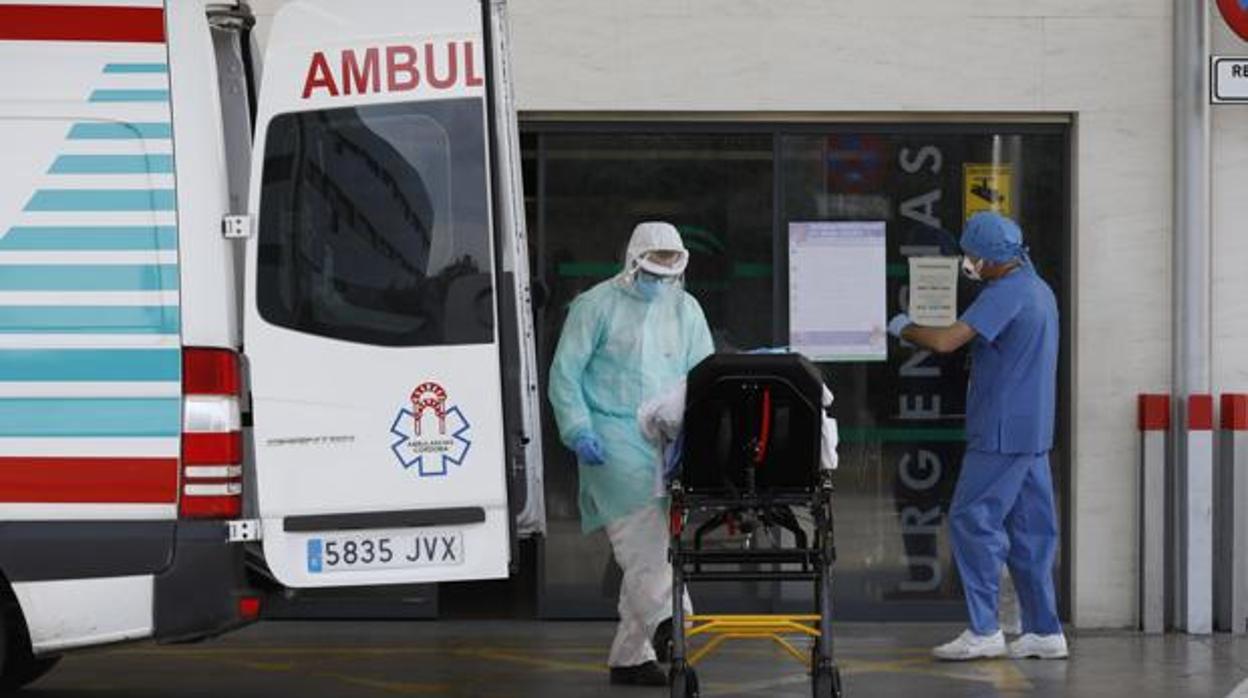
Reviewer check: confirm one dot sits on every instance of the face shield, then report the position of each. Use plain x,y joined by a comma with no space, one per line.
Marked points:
656,257
665,263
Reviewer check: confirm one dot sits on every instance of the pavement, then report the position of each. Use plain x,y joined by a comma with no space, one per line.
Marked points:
349,659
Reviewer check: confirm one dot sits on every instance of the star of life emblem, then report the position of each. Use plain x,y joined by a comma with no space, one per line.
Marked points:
430,434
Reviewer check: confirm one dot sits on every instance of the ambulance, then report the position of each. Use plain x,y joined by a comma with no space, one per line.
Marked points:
270,307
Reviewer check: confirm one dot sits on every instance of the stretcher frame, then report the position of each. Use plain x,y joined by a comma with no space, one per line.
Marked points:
812,557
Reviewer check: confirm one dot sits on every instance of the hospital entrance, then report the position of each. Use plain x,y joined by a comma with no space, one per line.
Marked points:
733,189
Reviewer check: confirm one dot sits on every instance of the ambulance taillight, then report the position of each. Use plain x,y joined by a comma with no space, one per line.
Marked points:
212,441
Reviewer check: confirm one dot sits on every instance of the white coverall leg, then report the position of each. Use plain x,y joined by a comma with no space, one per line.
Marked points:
639,542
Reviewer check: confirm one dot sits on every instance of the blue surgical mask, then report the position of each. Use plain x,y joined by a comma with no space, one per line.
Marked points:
650,286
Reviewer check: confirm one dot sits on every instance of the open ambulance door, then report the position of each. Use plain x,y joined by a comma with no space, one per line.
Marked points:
372,327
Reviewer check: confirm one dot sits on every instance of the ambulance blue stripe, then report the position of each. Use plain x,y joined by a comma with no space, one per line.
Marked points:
161,237
136,68
112,164
90,417
88,277
129,96
102,200
96,365
93,131
89,319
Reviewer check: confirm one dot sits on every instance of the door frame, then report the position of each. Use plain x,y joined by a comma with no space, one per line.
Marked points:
538,124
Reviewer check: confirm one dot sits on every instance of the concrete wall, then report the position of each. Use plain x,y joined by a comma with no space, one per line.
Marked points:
1106,62
1230,231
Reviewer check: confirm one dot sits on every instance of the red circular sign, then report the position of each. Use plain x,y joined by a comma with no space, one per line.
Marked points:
1235,12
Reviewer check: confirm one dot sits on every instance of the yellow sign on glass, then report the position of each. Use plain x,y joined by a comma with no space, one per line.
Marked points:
987,187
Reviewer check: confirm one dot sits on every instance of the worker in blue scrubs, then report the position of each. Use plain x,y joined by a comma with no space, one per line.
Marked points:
1003,512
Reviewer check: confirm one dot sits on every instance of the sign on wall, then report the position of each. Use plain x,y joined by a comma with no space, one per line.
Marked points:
987,187
1235,13
837,287
1228,83
934,290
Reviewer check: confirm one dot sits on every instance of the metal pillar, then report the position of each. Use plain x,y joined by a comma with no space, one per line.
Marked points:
1192,546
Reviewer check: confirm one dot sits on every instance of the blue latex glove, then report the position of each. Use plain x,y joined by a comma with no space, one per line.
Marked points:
671,457
898,323
589,449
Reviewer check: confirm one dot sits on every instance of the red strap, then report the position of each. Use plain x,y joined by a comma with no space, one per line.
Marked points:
764,431
676,522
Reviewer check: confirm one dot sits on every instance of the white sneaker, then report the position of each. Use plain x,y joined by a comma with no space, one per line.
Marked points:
1035,646
968,646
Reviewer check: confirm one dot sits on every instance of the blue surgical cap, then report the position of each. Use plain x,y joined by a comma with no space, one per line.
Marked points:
993,237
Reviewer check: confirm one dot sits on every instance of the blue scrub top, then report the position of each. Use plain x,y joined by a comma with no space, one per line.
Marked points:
1012,392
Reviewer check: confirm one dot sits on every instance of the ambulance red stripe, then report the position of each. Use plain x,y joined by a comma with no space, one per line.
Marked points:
82,23
43,480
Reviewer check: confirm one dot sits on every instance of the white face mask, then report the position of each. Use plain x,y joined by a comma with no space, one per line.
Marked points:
972,270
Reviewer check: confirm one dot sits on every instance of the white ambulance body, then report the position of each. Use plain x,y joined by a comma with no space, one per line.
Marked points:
314,342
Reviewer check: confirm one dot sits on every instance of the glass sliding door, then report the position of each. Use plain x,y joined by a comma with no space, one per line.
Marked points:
732,190
591,189
902,420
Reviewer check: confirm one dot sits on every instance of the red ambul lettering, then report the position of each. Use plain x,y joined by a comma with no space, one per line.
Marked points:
401,73
359,77
398,68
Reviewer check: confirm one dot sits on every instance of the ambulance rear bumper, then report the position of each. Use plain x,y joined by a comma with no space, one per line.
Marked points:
198,595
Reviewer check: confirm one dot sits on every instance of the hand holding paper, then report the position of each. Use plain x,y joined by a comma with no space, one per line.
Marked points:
934,291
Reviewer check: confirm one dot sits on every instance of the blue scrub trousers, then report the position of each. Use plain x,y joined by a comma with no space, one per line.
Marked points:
1003,514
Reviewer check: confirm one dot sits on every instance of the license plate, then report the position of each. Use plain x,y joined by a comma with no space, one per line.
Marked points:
355,552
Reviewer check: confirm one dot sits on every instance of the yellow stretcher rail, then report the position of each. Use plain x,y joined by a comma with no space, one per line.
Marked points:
780,629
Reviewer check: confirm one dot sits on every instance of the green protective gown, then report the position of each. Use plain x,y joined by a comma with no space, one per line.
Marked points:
618,350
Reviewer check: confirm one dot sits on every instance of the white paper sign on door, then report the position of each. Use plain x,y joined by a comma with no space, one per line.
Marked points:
837,292
934,291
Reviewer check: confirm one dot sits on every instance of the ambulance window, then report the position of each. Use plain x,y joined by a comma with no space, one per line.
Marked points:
374,224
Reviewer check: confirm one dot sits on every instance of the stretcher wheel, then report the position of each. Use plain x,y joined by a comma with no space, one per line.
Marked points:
826,682
684,683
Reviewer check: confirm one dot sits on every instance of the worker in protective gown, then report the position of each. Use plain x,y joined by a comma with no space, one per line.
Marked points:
1002,512
625,341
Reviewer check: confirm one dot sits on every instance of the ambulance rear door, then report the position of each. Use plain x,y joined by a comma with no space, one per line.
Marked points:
370,322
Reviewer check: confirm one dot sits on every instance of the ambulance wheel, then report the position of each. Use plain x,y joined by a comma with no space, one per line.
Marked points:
18,666
27,671
826,683
684,684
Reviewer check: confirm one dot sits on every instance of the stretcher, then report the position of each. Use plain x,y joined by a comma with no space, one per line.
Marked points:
751,456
